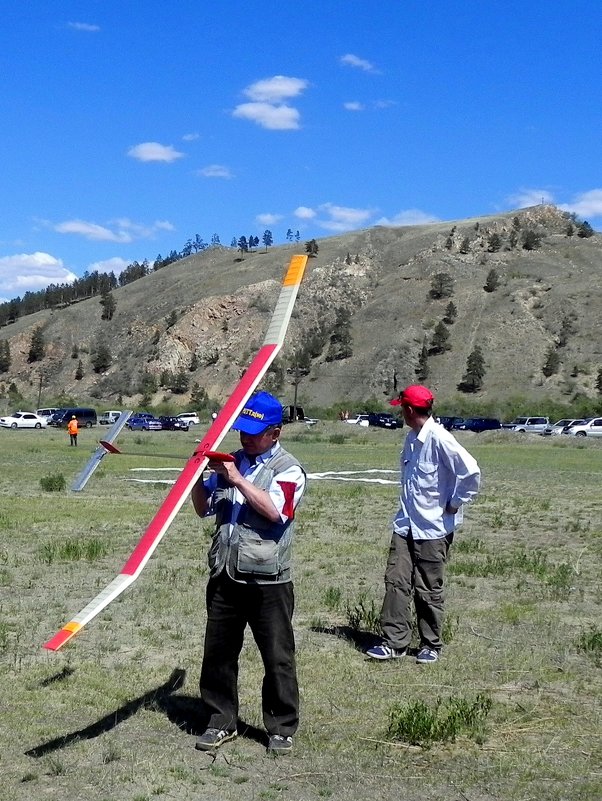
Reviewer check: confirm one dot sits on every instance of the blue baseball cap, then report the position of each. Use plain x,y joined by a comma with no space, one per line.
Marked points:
260,411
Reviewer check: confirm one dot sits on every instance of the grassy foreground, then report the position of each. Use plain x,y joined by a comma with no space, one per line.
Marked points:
512,710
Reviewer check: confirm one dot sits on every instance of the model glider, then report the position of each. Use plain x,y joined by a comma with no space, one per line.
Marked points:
105,446
193,468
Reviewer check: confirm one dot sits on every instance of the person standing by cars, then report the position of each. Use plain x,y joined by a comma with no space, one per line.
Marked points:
73,428
438,476
254,498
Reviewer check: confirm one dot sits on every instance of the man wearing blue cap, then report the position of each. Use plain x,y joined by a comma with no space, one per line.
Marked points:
253,498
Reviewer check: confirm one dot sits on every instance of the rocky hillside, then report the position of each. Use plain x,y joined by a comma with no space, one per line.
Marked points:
365,312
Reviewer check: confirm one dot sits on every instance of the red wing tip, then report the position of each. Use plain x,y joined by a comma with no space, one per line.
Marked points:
58,640
108,446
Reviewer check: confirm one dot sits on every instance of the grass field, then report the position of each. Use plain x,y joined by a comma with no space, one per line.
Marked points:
511,711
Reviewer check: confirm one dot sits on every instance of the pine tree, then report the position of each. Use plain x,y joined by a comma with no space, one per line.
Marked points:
531,240
551,364
599,381
451,312
101,358
198,397
79,373
439,342
442,286
109,304
268,239
311,248
37,349
494,243
5,359
465,245
585,230
422,368
492,281
472,380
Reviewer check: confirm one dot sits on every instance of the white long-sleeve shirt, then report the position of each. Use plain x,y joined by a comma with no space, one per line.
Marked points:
435,471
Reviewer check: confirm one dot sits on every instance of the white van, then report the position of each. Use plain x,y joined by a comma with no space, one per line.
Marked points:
47,412
108,418
191,418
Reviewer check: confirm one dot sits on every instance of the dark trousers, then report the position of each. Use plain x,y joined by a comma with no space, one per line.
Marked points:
414,567
268,610
73,439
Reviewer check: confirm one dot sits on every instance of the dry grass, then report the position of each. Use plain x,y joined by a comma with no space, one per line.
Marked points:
112,715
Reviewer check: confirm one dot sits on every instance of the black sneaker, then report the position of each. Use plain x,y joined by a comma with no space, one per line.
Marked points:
213,738
279,745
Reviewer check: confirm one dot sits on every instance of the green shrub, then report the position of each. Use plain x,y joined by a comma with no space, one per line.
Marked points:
53,483
364,615
418,724
590,642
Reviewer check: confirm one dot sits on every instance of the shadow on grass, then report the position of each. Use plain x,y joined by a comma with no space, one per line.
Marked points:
361,640
153,699
182,710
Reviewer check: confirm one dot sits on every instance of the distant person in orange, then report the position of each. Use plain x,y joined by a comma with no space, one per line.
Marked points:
73,428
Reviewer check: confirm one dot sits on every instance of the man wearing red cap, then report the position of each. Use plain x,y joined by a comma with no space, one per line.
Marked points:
438,476
253,497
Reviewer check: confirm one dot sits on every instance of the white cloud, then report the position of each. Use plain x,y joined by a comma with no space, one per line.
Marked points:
350,60
163,225
115,265
408,217
97,233
274,90
267,108
153,151
304,213
354,105
275,118
83,26
30,272
268,219
122,230
384,103
342,218
530,197
586,204
215,171
190,137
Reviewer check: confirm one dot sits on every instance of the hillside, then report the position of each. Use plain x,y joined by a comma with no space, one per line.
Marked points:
363,314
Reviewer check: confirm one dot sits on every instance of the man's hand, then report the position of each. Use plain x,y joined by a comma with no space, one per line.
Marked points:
450,510
228,470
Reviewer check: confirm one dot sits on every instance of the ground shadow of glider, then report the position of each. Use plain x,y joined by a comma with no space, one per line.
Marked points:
183,710
154,699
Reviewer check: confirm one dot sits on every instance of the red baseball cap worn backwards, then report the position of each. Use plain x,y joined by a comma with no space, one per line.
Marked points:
416,396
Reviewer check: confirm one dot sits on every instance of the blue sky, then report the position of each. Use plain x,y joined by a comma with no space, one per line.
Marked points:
128,128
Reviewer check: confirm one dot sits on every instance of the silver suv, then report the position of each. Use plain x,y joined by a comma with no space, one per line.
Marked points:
534,425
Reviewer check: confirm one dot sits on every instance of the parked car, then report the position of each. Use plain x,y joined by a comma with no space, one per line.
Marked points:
86,417
108,418
172,423
138,422
450,422
588,428
359,420
47,412
384,420
479,424
23,420
559,427
191,418
532,425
